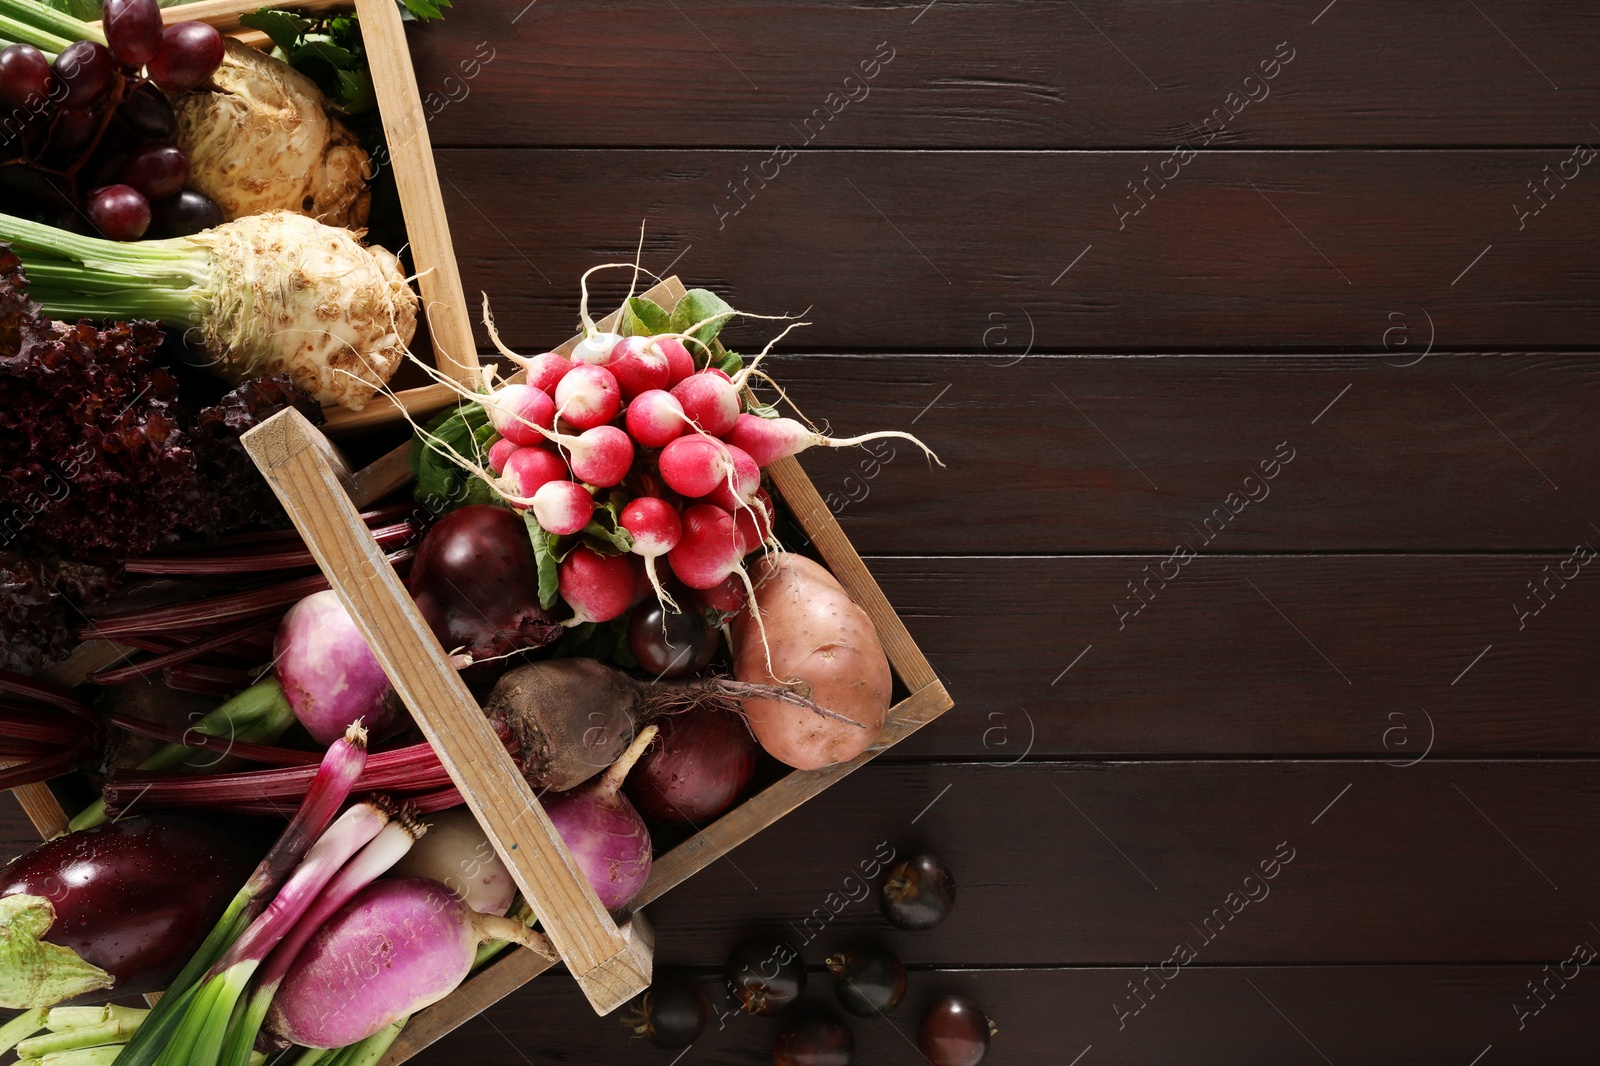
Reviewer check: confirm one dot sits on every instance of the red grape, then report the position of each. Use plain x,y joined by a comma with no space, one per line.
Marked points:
87,70
133,30
119,212
24,77
190,53
157,170
186,213
103,168
74,128
149,113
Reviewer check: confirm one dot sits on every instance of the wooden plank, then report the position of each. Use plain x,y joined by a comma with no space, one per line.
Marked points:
1130,450
998,74
1032,652
1058,863
405,128
893,251
224,14
1205,1015
611,964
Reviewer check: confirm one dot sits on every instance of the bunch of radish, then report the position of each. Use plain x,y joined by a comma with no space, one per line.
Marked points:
637,454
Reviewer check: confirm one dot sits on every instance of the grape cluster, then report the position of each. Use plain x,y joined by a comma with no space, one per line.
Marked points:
86,140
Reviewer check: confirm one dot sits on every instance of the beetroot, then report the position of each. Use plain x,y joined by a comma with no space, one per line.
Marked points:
476,582
137,896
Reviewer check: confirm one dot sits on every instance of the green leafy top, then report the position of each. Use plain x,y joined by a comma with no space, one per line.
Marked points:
329,51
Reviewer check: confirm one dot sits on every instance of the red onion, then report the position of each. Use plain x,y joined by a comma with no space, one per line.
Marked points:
476,582
328,672
604,833
700,765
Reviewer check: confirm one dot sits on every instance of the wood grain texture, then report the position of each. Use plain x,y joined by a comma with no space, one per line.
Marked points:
609,963
916,250
998,74
1058,863
1206,1016
1109,453
410,157
1314,655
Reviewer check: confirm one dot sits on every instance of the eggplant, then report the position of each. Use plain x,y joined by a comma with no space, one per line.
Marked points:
135,897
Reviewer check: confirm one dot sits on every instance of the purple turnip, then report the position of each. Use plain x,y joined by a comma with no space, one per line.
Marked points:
397,946
603,831
328,672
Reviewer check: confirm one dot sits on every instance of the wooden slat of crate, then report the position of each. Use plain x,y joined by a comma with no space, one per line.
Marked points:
610,964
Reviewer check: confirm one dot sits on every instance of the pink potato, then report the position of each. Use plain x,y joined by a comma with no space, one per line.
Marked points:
817,634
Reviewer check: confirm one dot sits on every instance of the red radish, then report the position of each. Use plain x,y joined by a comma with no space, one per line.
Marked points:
708,551
597,587
562,507
588,396
499,452
754,522
655,418
544,371
530,469
770,439
597,348
605,834
695,465
476,582
655,528
710,400
515,410
680,364
740,483
638,367
394,948
328,672
726,597
601,456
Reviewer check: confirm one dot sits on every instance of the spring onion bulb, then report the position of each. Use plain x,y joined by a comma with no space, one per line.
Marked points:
374,860
337,774
276,293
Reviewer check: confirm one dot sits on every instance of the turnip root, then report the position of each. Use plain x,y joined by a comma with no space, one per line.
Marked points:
573,718
396,947
814,634
263,138
600,827
458,855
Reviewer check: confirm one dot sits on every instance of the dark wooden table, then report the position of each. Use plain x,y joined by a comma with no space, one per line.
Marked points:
1259,340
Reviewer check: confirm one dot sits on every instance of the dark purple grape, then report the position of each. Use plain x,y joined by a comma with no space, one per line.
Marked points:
869,980
918,893
119,212
24,78
157,170
671,1014
133,30
73,129
190,53
954,1032
186,213
149,113
765,975
87,70
814,1037
669,644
